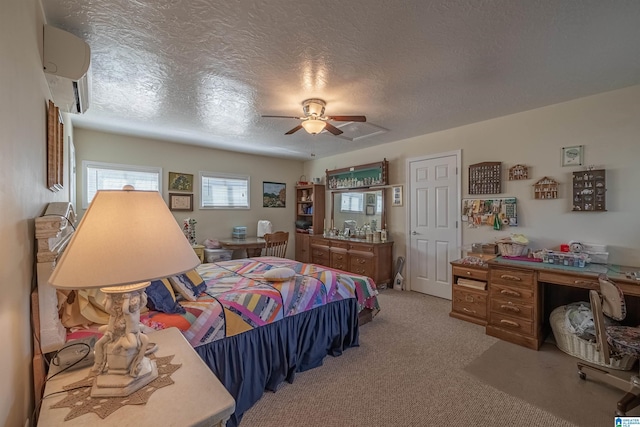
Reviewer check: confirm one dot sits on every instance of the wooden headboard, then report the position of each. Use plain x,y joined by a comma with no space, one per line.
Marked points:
53,232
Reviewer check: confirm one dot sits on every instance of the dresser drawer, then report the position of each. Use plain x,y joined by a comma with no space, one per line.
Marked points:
470,273
510,323
469,302
360,247
339,260
341,245
516,309
573,281
320,255
511,277
362,265
511,293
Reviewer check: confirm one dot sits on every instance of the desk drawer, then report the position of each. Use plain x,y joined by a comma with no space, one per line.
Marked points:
469,303
511,293
568,280
509,277
471,273
515,309
510,323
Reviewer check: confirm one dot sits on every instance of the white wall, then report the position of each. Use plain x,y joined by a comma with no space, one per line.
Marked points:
23,196
174,157
608,125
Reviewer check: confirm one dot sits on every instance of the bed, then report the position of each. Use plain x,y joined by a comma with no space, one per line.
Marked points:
254,333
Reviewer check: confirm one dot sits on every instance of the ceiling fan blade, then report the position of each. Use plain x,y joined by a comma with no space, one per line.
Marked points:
348,118
295,129
284,117
331,128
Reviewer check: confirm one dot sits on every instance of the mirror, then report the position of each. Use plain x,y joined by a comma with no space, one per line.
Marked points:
354,209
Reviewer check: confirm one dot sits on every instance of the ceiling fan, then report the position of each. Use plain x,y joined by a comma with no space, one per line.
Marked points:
315,122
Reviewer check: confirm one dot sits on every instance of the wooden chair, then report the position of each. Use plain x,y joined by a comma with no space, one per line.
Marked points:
276,244
613,341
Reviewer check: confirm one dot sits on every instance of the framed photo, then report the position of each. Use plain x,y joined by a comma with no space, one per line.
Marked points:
572,156
55,148
396,195
180,202
180,181
371,199
371,210
274,194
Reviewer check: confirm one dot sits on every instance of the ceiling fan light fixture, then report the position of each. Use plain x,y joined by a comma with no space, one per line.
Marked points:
313,126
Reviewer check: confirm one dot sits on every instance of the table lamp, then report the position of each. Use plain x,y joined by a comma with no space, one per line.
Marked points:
125,239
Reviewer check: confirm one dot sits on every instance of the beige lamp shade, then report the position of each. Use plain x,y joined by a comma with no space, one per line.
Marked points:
125,237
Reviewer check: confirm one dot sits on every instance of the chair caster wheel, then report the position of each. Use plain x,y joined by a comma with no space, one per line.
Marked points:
582,375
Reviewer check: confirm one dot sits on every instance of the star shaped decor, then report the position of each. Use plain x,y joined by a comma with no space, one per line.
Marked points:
80,401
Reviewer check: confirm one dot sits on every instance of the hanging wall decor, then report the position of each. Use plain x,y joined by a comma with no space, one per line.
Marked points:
55,148
491,212
572,156
274,194
518,172
545,188
485,178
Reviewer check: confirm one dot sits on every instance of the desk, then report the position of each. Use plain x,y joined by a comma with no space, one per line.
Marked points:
520,293
197,398
252,245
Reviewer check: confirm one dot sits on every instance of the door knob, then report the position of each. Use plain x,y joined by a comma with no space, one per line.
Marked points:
414,232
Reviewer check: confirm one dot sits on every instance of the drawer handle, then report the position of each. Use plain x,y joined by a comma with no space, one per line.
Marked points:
468,310
468,298
511,293
468,273
339,257
510,277
584,282
510,323
510,308
361,261
360,271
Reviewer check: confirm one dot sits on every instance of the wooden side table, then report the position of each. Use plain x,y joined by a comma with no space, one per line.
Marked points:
196,399
199,250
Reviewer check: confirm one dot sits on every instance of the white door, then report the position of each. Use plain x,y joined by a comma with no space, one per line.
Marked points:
433,199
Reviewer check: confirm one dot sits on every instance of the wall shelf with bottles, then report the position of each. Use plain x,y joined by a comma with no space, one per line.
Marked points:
362,176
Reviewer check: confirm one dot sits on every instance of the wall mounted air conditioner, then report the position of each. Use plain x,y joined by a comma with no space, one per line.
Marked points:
67,61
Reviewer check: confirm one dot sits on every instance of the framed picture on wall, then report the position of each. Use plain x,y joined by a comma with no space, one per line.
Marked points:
572,156
180,181
396,195
180,202
274,194
55,148
371,210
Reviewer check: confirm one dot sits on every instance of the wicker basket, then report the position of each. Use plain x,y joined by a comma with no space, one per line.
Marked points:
580,348
511,248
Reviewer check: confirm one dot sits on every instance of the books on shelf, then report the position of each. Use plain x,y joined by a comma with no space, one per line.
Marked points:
475,284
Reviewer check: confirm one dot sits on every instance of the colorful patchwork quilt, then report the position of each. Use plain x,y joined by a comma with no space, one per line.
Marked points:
238,298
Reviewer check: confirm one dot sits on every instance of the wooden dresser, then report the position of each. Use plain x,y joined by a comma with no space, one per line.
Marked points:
356,256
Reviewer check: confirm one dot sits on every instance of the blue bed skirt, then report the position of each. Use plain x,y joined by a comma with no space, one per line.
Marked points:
260,359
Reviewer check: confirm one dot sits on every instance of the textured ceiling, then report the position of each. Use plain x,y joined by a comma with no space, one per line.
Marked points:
204,71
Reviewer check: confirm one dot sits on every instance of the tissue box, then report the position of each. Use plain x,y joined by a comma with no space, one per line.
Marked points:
239,232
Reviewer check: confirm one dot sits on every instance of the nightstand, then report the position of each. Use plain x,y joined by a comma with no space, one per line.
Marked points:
199,250
197,398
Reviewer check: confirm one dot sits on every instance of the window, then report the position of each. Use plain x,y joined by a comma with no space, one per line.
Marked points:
109,176
352,202
224,191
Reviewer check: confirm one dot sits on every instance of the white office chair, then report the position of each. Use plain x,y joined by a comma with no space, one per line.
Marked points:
613,341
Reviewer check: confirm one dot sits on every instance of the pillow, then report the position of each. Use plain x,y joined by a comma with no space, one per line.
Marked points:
280,274
160,297
190,285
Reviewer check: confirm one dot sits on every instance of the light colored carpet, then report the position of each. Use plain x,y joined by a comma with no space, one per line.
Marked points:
408,371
